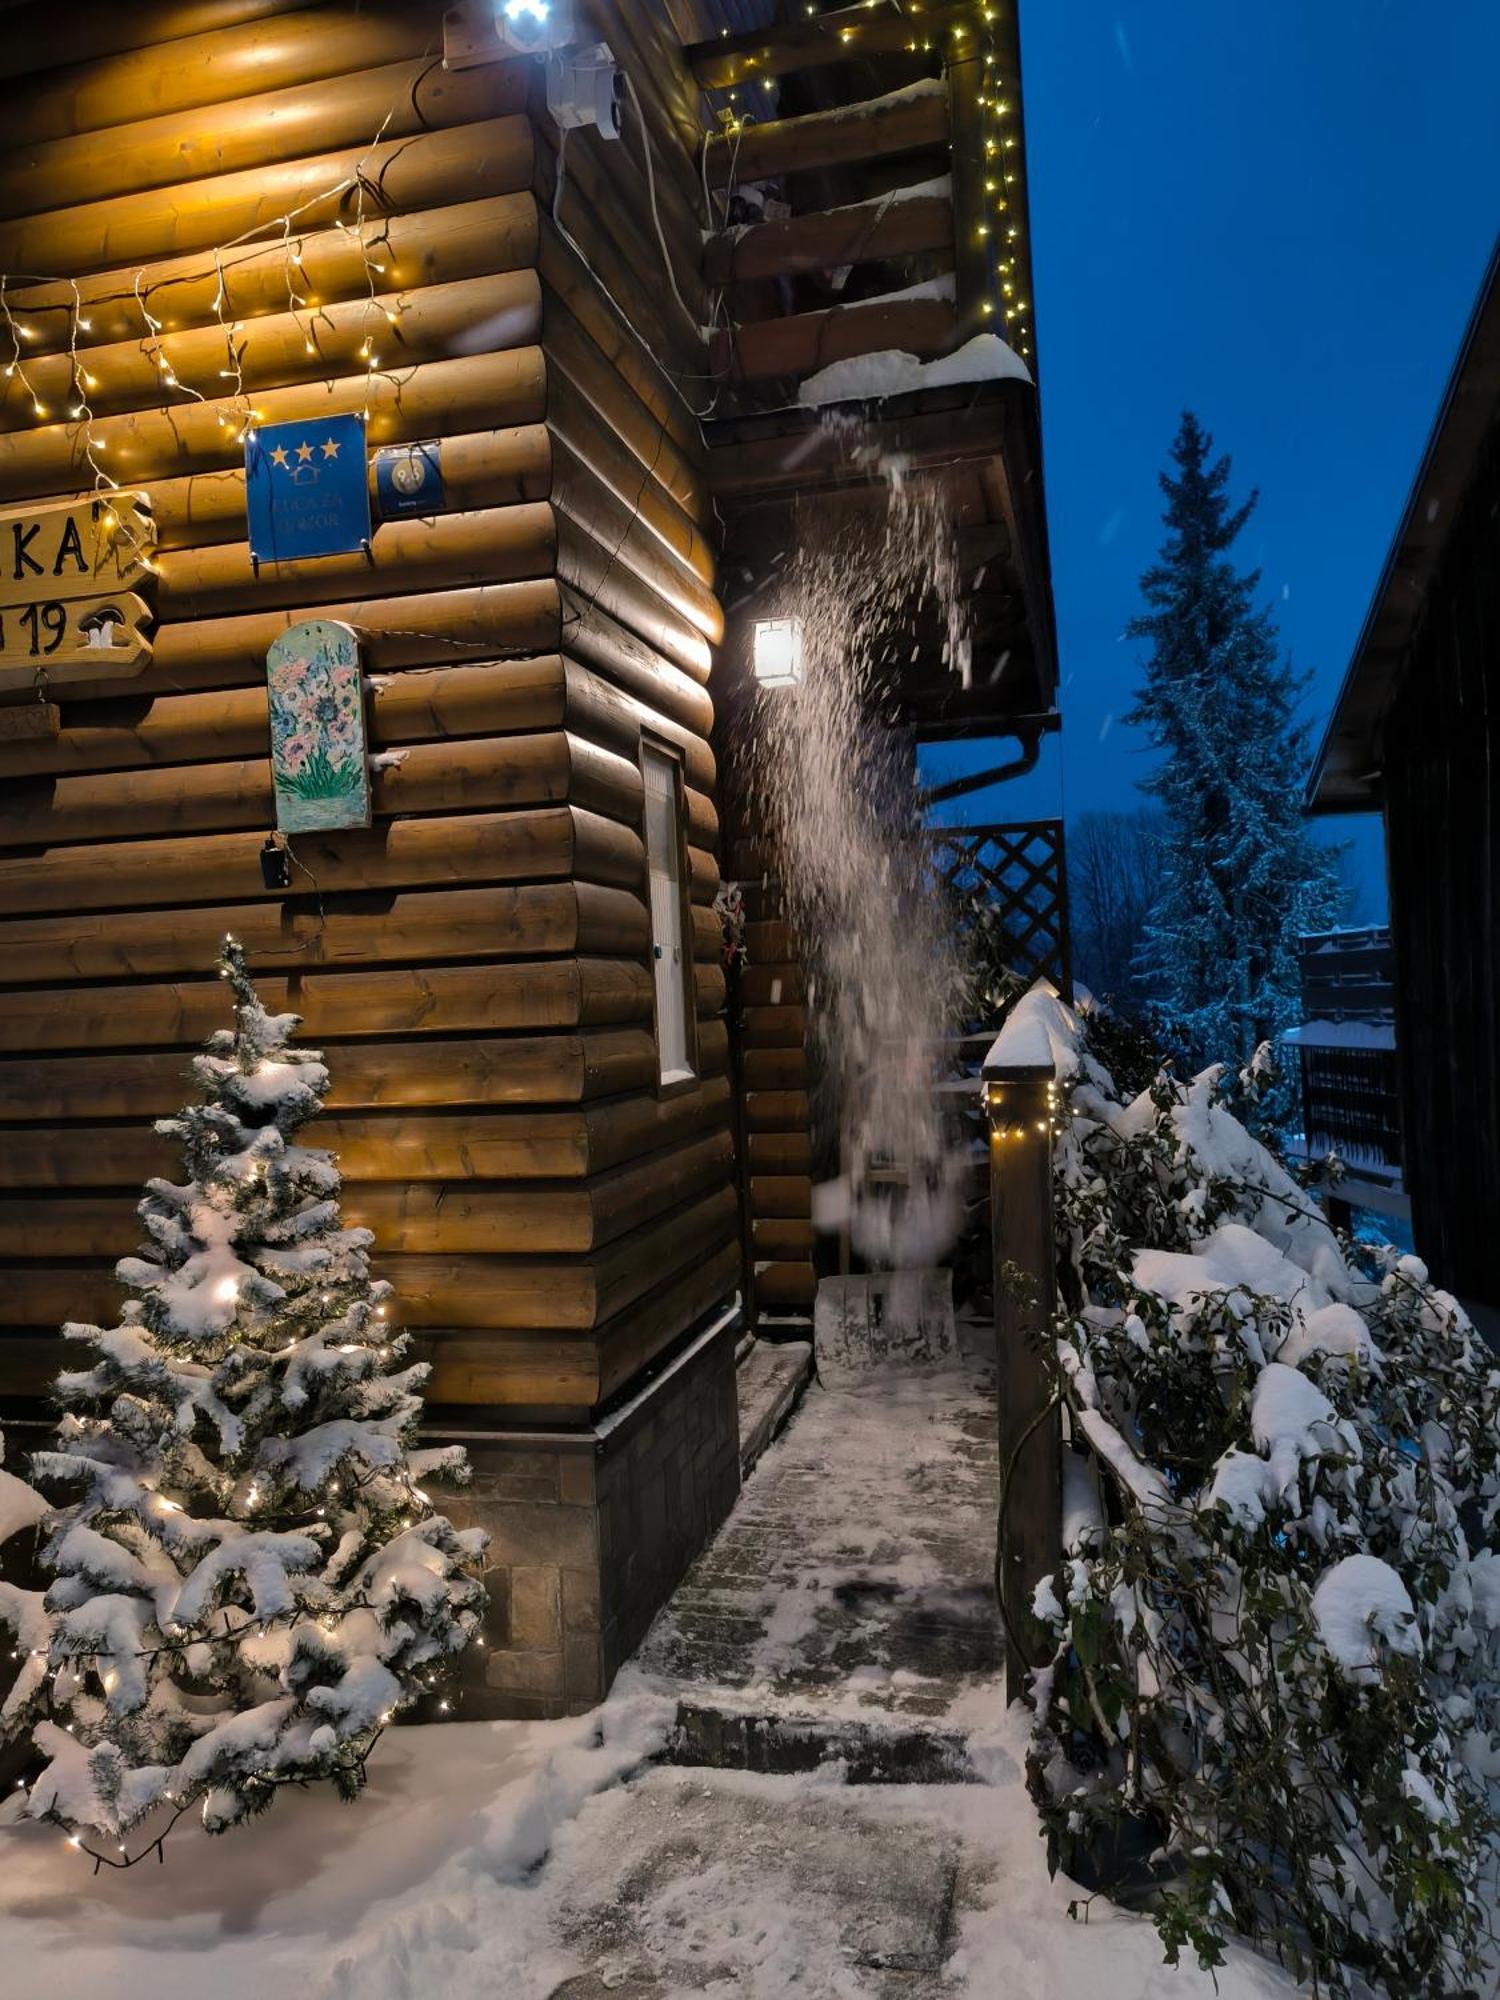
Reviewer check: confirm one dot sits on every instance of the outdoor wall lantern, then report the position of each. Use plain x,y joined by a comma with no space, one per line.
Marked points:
778,651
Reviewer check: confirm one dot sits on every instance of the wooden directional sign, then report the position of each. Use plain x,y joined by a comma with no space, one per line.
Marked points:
68,607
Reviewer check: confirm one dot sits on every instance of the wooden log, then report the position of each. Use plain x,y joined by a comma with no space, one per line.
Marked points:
566,280
582,370
399,328
433,1000
599,513
781,1236
551,768
532,921
774,1069
778,1027
401,1146
552,1376
785,1283
781,1194
429,169
97,28
223,64
777,1153
447,552
462,239
805,342
499,697
519,619
812,458
548,1377
901,123
610,650
632,1340
575,422
446,704
422,1074
776,1110
841,35
583,498
552,1292
528,846
259,134
588,568
145,445
475,1218
864,232
597,217
772,984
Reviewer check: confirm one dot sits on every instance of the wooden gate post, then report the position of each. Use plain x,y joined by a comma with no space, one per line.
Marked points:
1020,1105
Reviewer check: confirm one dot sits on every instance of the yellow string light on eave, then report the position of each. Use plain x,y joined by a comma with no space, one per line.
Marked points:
28,338
999,104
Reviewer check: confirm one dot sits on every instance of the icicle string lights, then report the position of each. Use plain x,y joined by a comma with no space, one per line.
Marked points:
78,413
999,104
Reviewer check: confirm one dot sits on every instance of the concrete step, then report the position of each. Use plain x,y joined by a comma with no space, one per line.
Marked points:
870,1753
771,1378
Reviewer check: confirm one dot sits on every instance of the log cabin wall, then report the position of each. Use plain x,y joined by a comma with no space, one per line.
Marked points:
477,964
1441,764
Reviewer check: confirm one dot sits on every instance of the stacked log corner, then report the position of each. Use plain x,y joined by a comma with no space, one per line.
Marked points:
477,963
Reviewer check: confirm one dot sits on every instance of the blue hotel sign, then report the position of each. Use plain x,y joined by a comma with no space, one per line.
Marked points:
306,489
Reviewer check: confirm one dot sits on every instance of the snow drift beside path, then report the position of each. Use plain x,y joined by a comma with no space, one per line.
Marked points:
461,1872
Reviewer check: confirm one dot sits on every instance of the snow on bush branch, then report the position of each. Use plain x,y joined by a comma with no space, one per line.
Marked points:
247,1579
1279,1637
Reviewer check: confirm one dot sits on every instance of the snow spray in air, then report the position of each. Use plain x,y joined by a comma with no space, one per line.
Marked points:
835,785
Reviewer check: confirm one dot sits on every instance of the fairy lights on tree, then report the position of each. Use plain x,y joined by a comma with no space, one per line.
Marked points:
248,1581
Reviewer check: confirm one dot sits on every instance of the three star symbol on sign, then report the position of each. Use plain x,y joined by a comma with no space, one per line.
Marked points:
279,456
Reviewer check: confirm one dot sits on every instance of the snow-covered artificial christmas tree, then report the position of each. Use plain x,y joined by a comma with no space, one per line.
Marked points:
247,1579
1278,1618
1241,880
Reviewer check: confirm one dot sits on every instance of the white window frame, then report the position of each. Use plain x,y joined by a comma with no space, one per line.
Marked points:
674,989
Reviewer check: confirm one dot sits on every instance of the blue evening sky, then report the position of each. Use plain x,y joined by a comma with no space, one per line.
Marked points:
1278,214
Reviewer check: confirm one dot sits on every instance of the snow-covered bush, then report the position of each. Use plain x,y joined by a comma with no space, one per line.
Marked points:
1279,1637
247,1580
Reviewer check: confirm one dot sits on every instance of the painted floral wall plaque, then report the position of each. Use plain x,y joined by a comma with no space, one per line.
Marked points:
319,764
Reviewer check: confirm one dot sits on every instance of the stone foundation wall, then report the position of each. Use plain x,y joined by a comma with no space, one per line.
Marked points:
590,1533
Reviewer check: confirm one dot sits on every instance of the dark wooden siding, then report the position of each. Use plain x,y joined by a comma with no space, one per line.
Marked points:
1442,774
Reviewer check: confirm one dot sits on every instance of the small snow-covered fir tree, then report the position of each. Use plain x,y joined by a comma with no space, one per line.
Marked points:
1241,877
247,1580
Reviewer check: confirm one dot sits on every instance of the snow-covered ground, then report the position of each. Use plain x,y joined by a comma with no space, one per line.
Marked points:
490,1860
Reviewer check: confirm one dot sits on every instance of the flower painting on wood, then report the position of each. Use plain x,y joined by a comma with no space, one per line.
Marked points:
319,766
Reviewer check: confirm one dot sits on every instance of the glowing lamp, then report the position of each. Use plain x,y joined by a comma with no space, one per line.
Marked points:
528,26
778,651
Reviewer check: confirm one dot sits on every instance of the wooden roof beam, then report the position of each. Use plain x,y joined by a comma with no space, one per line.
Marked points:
863,233
904,121
821,40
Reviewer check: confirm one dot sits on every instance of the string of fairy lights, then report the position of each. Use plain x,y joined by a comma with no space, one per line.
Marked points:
31,342
974,33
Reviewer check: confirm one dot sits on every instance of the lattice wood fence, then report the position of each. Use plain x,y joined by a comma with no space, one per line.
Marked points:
1021,872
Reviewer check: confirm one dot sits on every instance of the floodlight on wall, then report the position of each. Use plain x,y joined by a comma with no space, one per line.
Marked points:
778,651
584,87
530,26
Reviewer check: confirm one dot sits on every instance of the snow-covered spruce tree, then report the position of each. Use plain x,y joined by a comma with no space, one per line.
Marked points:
248,1581
1279,1637
1240,879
